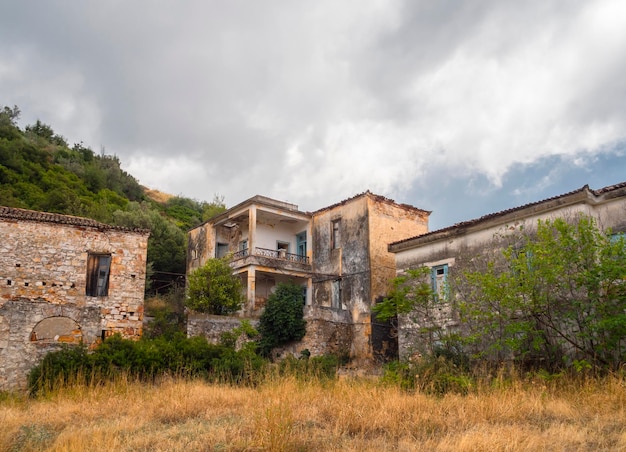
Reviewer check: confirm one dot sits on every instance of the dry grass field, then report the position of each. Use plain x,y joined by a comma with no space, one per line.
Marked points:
285,414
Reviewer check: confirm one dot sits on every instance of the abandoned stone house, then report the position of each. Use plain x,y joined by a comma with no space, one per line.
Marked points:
338,254
64,279
450,250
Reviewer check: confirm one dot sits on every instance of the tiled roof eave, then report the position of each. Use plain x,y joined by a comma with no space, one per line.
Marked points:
13,213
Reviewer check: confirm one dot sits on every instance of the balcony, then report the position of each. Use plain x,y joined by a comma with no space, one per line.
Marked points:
281,255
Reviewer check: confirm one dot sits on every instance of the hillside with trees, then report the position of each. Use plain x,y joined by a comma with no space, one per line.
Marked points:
39,170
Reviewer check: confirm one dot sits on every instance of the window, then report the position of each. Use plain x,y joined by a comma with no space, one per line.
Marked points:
439,282
301,244
335,239
243,245
221,250
98,269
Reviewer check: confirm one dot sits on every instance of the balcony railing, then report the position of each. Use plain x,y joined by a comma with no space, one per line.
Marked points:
272,254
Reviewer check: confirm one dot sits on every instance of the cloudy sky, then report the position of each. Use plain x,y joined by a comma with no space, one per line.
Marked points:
459,107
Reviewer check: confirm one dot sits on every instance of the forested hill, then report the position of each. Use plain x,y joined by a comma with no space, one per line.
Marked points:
39,170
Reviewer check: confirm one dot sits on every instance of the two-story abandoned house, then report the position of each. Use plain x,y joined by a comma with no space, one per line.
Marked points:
64,280
452,249
338,255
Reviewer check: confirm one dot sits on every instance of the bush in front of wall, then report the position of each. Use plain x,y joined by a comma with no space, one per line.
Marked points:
282,320
213,289
145,360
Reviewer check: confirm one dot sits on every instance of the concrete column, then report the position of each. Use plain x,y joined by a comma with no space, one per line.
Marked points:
251,292
251,230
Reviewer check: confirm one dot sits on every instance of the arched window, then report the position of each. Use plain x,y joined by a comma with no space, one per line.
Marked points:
57,329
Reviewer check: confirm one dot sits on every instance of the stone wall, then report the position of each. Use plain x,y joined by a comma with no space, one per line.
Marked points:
213,326
43,286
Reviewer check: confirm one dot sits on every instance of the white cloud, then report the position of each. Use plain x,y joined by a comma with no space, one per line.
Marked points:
317,101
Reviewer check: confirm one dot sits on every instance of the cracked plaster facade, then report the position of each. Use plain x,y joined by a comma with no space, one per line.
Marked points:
338,254
458,246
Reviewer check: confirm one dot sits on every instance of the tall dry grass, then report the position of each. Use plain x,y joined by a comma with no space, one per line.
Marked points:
287,414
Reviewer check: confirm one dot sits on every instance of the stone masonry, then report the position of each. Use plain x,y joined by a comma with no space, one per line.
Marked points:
45,299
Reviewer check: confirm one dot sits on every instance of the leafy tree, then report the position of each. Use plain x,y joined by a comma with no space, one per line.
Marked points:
408,292
8,125
167,243
282,320
213,208
558,296
213,289
412,298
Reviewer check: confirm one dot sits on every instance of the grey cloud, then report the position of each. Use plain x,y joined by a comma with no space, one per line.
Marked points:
317,100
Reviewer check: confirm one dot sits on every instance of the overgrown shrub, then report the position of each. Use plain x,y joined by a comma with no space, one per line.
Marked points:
282,320
145,360
213,289
68,365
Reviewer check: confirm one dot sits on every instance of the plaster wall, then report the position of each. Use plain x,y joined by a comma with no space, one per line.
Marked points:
460,247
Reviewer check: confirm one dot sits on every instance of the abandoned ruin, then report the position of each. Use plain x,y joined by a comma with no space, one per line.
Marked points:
453,249
345,255
64,280
338,255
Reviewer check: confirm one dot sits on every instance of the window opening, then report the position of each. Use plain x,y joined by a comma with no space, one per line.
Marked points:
301,244
439,282
221,250
335,242
98,270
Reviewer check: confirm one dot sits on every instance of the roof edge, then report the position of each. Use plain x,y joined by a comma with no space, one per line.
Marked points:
15,213
441,233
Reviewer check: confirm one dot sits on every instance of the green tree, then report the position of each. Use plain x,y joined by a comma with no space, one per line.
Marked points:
409,292
282,320
558,295
213,208
213,289
413,299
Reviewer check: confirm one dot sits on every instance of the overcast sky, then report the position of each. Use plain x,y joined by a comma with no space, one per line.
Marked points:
459,107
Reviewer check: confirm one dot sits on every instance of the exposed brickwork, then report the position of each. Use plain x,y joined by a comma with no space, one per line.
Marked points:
43,275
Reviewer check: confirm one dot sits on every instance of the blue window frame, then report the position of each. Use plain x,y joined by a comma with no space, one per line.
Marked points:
439,281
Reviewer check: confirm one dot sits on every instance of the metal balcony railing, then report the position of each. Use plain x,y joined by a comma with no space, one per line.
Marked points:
272,254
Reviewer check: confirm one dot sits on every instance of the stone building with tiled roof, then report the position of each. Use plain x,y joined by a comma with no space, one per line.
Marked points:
448,250
64,279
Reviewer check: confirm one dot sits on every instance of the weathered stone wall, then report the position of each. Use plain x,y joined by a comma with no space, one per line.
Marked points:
362,264
345,268
469,246
19,321
213,326
327,331
390,222
43,275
